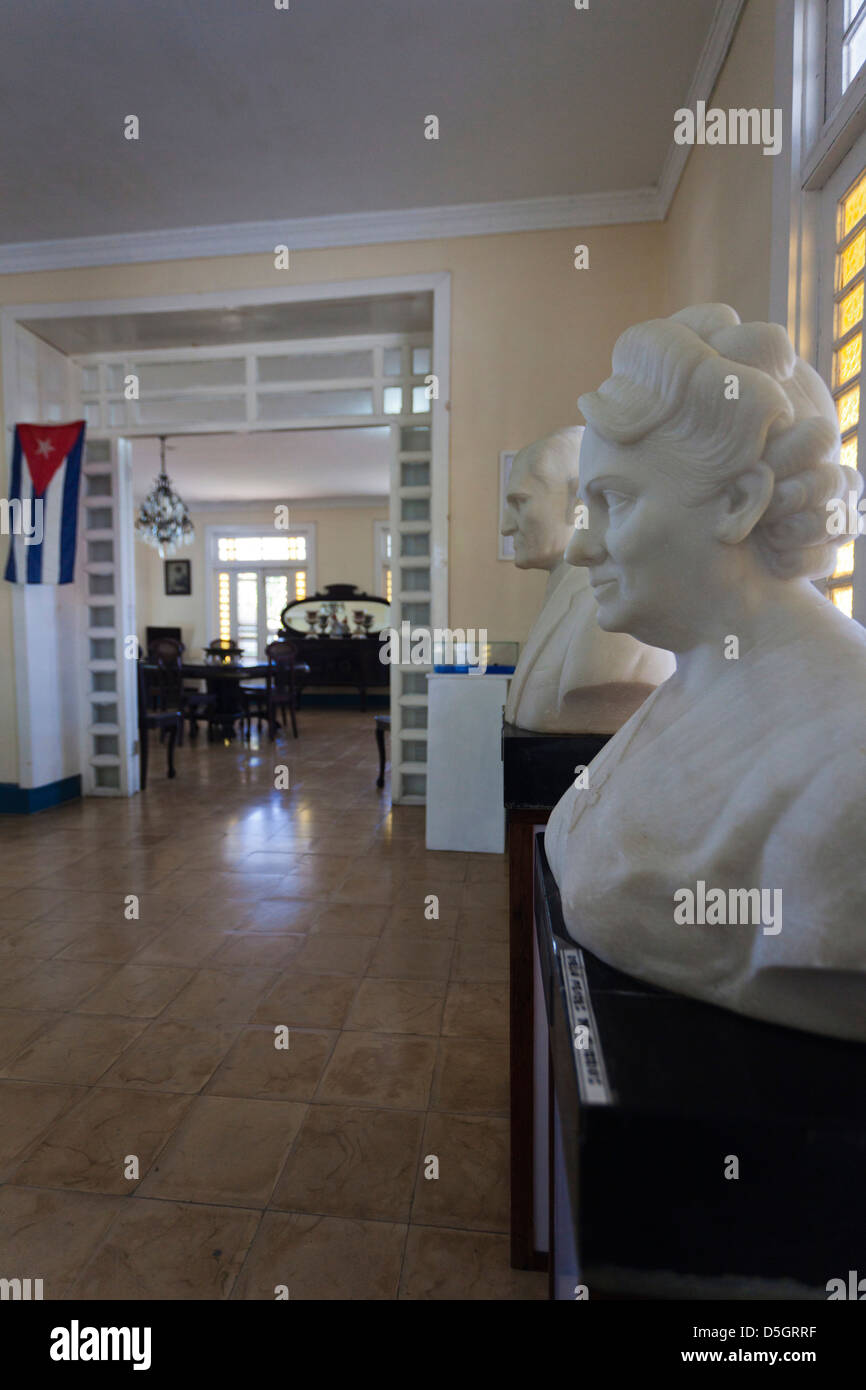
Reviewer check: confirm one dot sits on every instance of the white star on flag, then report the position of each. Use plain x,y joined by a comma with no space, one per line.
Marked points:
44,447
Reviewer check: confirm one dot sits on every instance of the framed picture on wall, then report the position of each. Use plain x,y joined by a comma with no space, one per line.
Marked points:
506,544
178,577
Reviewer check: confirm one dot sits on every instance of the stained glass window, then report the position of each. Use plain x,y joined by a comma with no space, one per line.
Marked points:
848,356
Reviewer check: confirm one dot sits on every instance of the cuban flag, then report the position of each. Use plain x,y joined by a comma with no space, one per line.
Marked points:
46,471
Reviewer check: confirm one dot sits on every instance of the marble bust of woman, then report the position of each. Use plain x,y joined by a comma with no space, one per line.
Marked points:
572,677
718,848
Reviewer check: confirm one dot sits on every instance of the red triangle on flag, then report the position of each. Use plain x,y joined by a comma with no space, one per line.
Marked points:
45,448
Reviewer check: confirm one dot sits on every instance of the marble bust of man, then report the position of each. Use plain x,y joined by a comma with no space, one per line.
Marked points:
572,677
717,846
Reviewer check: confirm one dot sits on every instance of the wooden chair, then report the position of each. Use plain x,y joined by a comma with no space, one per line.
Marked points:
160,706
383,726
280,692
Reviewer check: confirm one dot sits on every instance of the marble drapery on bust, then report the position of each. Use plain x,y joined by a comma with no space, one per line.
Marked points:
718,846
571,677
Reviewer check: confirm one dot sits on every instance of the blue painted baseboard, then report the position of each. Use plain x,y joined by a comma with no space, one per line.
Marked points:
23,801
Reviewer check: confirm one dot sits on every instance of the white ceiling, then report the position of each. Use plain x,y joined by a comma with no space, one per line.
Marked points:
279,466
252,113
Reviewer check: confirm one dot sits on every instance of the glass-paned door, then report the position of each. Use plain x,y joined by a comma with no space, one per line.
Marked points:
250,602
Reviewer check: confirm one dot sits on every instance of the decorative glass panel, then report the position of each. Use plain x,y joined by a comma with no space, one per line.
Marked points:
392,361
854,205
224,589
848,408
315,366
852,259
848,456
420,361
247,599
389,585
420,400
847,360
844,599
844,561
250,549
311,405
300,584
850,311
179,376
276,598
392,400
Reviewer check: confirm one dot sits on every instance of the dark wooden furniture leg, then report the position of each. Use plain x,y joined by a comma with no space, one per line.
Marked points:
521,834
142,754
172,740
380,744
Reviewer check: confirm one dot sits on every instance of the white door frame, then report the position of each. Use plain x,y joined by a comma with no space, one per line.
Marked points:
437,283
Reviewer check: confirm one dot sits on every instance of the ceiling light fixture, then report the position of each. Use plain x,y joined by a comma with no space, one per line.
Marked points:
163,518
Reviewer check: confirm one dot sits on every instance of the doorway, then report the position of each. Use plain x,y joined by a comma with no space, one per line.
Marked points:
419,479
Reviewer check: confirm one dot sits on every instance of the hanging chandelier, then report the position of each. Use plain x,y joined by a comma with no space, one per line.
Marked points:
163,518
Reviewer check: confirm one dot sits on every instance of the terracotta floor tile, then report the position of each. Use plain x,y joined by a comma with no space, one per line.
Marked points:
169,1250
263,949
75,1049
328,953
26,1112
255,1067
18,1027
472,1189
484,895
55,985
471,1076
476,1011
52,1234
305,1001
480,960
182,944
43,938
323,1257
227,1151
353,1162
115,944
137,991
223,996
29,903
411,919
87,1150
276,915
398,1006
379,1069
172,1055
347,919
402,957
464,1265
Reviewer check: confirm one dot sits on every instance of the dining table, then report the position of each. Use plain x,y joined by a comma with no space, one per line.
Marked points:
223,678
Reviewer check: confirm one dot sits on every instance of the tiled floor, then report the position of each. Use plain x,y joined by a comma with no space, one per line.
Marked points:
156,1141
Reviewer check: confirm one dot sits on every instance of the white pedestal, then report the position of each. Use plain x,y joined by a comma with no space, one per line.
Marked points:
464,763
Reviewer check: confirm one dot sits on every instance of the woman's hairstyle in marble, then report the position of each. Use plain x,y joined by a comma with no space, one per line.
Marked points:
725,395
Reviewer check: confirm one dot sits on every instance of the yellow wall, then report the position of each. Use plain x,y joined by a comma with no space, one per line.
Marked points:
719,225
528,334
344,555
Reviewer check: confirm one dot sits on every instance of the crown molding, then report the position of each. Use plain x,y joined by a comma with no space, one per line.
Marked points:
710,64
378,228
300,504
313,233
